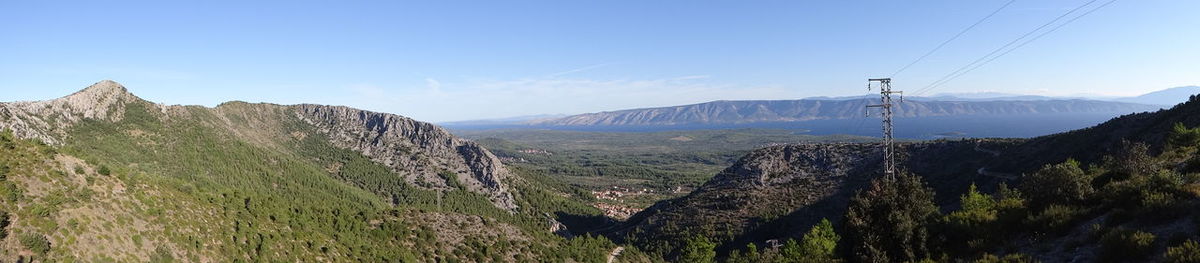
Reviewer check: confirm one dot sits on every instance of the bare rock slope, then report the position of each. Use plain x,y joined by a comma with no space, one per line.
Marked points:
47,120
419,150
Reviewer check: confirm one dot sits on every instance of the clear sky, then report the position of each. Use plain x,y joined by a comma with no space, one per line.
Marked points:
458,60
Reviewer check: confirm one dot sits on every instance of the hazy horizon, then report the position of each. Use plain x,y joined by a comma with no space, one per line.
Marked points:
444,62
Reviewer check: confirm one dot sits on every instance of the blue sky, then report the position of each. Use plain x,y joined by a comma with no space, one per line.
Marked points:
459,60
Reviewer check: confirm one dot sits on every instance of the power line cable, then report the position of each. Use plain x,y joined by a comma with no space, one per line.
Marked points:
960,33
1024,43
1001,48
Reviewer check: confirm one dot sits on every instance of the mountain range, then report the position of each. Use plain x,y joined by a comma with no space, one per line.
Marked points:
834,108
742,112
103,175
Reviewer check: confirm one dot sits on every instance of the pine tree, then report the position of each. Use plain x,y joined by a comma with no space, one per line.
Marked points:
821,241
889,221
698,249
1181,136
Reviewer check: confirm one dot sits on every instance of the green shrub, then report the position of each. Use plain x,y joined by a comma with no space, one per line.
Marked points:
1010,258
1133,159
1125,245
1181,136
1188,252
791,251
1010,209
1156,195
6,140
890,220
4,222
970,228
9,191
79,169
1054,219
821,241
1063,183
35,242
162,255
751,255
103,170
698,249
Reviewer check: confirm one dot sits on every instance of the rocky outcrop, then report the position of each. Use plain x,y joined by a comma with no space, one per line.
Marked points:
767,183
778,192
424,153
48,120
738,112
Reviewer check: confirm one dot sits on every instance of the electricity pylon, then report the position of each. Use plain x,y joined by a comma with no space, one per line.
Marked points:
889,148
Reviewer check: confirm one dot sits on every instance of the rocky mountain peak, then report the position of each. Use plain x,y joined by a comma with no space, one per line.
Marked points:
103,88
46,120
103,100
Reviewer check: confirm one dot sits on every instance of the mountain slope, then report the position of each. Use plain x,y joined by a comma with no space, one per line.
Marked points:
735,112
412,148
48,120
419,151
1091,144
779,192
261,182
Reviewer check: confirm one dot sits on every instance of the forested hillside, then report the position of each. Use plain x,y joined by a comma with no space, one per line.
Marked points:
105,176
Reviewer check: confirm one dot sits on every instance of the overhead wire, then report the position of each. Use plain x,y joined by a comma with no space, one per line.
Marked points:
865,99
1002,50
985,62
951,39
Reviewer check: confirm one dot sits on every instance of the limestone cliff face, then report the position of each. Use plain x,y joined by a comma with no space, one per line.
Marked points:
420,151
47,120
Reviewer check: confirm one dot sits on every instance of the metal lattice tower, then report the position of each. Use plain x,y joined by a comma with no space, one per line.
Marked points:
889,148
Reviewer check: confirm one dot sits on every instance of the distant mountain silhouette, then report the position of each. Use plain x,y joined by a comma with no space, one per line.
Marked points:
1169,96
756,111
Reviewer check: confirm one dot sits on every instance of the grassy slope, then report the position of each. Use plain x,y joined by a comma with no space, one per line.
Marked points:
88,213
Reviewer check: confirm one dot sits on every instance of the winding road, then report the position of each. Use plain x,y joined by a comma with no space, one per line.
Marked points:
983,170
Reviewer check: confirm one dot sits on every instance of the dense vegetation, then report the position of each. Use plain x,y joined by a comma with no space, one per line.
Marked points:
226,195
